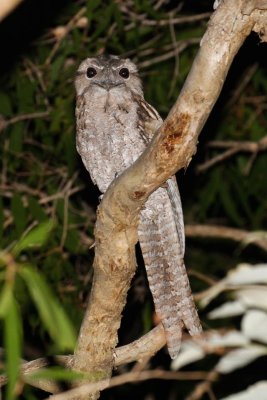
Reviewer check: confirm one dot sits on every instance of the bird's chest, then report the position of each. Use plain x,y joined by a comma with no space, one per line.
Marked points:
109,141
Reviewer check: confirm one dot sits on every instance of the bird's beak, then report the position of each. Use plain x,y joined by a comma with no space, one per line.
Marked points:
107,84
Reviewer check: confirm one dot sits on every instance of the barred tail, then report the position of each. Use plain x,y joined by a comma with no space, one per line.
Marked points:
167,277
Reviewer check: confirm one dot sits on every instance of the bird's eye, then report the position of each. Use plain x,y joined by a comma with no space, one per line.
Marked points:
91,72
124,72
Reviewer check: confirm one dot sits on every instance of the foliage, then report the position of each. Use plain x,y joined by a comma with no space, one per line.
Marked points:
47,203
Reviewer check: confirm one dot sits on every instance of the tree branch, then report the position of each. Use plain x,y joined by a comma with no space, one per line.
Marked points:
224,232
171,149
138,350
130,377
23,117
7,6
233,148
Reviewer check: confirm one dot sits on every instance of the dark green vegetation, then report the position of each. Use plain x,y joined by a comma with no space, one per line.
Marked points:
47,202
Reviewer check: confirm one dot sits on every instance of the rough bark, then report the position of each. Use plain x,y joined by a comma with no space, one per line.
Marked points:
171,149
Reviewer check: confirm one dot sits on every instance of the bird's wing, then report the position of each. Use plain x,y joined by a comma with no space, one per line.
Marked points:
175,199
149,122
149,119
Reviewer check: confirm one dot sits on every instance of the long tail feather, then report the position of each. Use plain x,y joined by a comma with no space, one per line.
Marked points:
167,277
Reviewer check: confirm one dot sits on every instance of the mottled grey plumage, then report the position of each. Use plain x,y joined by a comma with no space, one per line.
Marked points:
114,125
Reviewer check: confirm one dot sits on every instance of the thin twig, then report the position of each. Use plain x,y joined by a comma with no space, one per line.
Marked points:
130,377
177,59
7,191
35,73
163,57
246,78
67,193
203,387
175,21
224,232
67,29
233,148
138,350
23,117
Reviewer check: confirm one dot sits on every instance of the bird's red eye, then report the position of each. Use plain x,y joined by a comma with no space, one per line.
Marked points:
124,72
91,72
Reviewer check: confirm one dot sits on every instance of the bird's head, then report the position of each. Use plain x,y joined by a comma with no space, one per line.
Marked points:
107,72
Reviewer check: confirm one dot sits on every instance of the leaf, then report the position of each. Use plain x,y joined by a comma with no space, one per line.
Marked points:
239,358
6,297
257,391
18,212
248,274
1,218
57,372
230,207
25,94
229,339
254,325
16,137
91,6
241,193
208,196
212,292
229,309
35,238
56,68
12,339
190,352
52,314
36,210
72,241
69,149
253,297
104,22
60,209
146,318
243,274
5,105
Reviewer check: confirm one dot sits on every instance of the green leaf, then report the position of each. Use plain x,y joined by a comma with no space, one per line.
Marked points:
1,218
56,68
5,105
61,374
229,205
6,297
35,238
19,213
105,22
209,194
25,94
58,373
12,339
241,193
72,241
16,137
52,314
147,322
36,210
60,209
91,6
